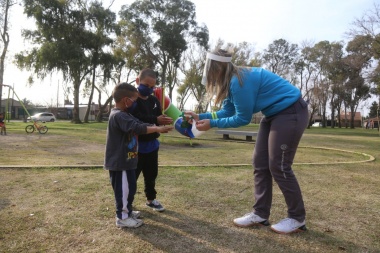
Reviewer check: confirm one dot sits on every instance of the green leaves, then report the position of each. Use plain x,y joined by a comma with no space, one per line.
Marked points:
72,37
159,32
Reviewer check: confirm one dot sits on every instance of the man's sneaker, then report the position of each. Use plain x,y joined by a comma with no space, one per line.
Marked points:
289,225
136,214
129,222
251,219
155,205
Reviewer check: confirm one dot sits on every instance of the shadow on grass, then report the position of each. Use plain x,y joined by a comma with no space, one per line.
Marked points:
4,203
175,232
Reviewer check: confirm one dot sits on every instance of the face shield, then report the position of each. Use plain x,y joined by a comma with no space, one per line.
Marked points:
214,57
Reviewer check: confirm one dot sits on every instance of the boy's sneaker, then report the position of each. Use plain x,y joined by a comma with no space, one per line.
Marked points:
251,219
289,225
129,222
155,205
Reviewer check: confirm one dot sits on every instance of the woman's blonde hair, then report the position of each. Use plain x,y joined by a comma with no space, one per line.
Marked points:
219,76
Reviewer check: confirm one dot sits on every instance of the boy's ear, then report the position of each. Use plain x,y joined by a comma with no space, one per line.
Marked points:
137,80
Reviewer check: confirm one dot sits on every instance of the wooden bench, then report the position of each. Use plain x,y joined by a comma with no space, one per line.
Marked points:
226,134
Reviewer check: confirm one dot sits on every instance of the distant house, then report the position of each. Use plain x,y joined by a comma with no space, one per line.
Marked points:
345,119
14,107
17,111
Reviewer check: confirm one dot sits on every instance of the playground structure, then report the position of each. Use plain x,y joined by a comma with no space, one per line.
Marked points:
42,129
180,123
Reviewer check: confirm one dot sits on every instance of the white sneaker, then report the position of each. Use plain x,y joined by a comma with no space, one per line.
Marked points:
250,219
136,214
289,225
129,222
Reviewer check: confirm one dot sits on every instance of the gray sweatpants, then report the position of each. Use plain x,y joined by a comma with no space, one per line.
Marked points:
276,146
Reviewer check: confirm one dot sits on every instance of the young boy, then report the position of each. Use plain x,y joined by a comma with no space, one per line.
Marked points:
2,124
121,152
148,110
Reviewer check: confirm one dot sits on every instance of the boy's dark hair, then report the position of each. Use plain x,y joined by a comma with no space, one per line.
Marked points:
123,90
148,73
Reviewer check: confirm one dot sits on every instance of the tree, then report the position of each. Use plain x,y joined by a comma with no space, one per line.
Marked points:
358,58
280,58
305,70
337,75
369,25
192,66
244,54
5,6
373,110
61,43
322,55
102,23
160,31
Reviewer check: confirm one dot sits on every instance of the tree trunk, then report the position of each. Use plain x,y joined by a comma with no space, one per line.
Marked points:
101,109
76,118
5,39
89,104
339,109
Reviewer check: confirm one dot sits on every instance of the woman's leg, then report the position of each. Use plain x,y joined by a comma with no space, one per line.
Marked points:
262,176
287,128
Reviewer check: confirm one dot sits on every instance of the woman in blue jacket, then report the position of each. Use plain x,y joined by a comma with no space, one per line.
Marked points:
243,91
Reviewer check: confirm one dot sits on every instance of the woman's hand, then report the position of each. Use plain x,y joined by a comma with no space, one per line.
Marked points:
203,125
190,116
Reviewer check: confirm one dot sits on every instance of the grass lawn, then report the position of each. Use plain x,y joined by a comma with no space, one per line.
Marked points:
61,201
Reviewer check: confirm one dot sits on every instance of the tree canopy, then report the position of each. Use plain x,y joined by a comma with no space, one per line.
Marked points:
68,39
83,41
160,32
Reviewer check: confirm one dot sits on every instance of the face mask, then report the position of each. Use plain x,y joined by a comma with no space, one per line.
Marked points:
145,90
131,108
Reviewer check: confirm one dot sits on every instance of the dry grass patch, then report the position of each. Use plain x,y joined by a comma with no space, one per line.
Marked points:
72,210
56,150
51,210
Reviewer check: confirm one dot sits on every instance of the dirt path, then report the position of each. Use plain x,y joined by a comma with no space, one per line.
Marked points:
49,149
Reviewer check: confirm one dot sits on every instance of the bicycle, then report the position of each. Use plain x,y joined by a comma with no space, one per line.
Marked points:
36,126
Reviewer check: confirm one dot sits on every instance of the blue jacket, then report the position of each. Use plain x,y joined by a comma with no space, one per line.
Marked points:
262,91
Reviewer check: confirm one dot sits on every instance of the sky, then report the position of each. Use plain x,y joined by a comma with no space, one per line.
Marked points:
256,22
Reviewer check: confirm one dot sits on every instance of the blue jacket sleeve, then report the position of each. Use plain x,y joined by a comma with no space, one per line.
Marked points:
237,108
